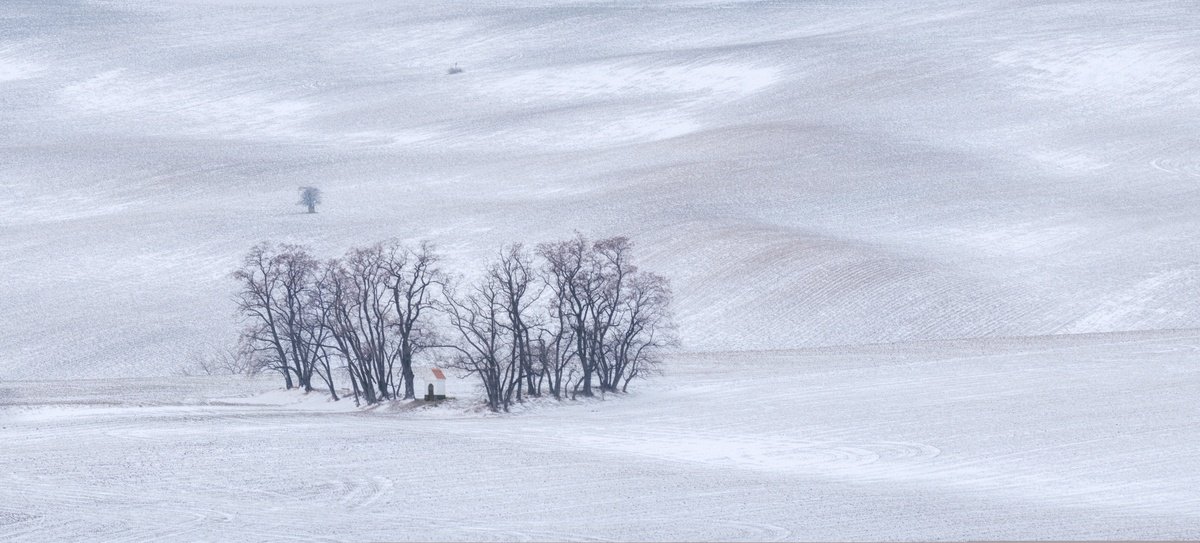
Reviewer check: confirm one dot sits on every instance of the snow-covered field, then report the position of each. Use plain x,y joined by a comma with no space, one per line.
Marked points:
808,173
1075,437
812,176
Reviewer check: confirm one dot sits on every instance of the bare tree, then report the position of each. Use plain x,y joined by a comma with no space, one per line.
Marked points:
321,324
261,279
341,303
642,331
587,279
514,275
567,274
297,311
262,354
611,267
554,348
310,197
277,297
364,318
477,318
412,277
227,361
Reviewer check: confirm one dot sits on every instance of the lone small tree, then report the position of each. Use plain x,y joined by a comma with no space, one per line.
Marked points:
310,197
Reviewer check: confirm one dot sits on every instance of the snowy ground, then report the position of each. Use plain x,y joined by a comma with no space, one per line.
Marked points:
808,174
1083,437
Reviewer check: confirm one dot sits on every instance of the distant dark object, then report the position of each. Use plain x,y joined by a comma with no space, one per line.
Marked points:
454,70
310,197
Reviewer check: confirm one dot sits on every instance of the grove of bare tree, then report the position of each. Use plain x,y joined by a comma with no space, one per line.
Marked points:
565,319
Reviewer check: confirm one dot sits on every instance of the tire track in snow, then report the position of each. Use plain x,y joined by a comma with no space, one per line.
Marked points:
1174,166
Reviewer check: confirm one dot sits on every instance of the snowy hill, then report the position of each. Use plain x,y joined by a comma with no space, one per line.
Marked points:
807,173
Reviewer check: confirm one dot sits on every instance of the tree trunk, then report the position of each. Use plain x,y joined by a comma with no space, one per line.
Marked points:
332,392
406,371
